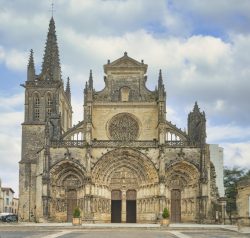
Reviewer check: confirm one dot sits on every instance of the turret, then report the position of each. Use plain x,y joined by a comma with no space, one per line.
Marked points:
197,126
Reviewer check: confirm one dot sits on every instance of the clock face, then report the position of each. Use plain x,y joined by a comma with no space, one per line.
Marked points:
123,127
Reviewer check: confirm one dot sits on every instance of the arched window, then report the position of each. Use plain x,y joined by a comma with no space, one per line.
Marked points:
49,100
36,107
49,104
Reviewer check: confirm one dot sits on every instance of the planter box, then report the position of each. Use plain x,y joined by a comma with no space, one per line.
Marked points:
76,221
165,222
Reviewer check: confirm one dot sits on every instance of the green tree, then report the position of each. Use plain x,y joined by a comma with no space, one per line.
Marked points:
76,213
165,213
231,178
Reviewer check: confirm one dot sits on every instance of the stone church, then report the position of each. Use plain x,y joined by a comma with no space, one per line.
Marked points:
124,162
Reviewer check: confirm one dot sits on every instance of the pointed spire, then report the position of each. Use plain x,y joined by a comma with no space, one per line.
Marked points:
90,80
68,91
161,89
31,68
196,107
160,81
51,68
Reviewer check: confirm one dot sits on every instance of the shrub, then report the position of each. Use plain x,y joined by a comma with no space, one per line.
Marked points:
165,213
76,213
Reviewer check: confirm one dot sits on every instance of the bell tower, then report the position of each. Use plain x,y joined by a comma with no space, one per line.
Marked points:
46,101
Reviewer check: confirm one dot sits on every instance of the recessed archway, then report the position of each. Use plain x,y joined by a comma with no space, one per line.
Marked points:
182,182
127,171
67,179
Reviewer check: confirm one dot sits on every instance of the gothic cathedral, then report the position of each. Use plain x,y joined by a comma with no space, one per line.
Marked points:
124,162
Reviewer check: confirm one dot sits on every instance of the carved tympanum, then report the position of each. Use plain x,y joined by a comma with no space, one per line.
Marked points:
123,127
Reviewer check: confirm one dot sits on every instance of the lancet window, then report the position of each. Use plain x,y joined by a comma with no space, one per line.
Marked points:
36,107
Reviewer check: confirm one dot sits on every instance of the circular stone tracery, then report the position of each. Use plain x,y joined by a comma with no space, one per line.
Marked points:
123,127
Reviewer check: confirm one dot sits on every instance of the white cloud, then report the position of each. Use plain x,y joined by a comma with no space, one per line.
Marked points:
10,103
228,132
200,67
237,154
14,59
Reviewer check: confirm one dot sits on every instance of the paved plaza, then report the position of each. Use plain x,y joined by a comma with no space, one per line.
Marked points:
66,230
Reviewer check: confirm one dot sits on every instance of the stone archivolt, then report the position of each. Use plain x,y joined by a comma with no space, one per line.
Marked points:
181,174
67,172
131,162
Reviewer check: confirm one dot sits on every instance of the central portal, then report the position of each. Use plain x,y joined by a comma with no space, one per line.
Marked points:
123,209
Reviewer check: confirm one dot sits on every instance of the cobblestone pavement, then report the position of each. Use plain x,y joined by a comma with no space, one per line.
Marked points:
54,232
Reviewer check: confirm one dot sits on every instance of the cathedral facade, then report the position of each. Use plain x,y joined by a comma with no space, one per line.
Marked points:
124,162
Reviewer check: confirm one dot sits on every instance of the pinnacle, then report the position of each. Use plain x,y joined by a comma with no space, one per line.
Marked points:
67,90
90,80
31,67
68,85
160,81
31,59
196,107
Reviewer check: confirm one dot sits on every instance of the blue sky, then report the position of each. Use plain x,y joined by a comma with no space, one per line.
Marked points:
202,48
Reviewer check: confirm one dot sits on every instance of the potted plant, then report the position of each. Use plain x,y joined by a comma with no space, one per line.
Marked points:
165,216
77,217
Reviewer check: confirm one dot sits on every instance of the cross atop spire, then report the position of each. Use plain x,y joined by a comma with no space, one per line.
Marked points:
51,69
52,8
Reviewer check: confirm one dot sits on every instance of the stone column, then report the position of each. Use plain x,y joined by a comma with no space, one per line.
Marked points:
222,201
124,207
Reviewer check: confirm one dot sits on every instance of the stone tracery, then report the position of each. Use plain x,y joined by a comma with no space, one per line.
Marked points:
123,127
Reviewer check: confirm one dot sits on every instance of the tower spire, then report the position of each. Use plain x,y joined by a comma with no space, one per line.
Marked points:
51,68
68,91
31,67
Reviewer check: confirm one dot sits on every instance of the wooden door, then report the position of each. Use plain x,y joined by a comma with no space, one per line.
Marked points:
131,211
71,203
175,214
116,206
131,206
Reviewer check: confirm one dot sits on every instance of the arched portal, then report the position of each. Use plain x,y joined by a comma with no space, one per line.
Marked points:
182,183
128,171
67,183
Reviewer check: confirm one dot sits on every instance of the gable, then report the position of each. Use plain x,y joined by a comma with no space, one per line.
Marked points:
125,63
